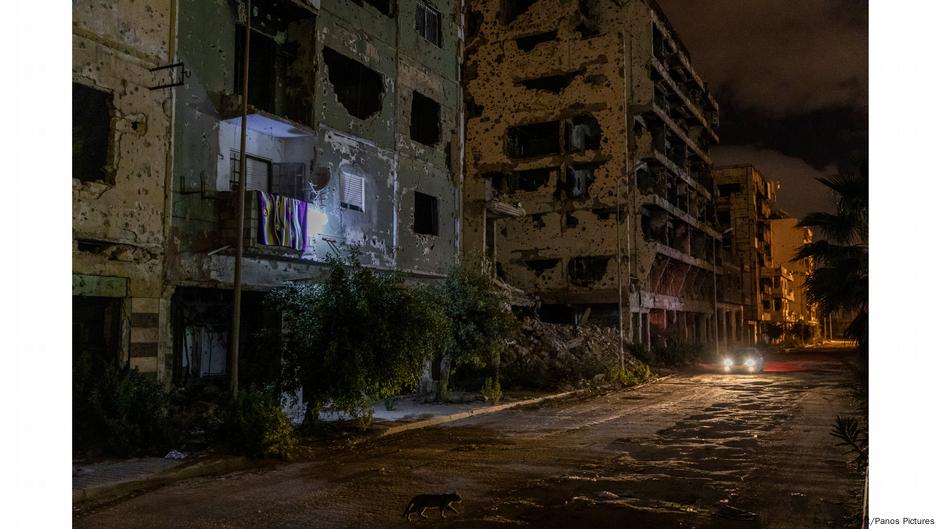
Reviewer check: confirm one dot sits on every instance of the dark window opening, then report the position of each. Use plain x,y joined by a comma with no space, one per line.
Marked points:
588,19
605,213
727,190
425,214
96,333
386,7
425,119
578,178
536,139
585,271
289,180
91,133
581,134
273,82
724,218
358,87
428,23
92,245
540,266
474,23
533,179
538,221
571,221
551,83
511,9
529,43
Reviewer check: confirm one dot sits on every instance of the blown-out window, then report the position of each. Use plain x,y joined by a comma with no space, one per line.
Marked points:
91,132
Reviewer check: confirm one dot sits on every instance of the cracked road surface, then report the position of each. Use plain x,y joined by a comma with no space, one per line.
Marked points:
694,450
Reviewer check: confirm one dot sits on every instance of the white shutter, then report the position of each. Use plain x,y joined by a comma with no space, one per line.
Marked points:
352,191
259,174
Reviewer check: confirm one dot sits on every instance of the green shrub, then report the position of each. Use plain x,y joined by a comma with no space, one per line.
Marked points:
121,412
670,349
358,337
481,322
630,375
254,424
492,392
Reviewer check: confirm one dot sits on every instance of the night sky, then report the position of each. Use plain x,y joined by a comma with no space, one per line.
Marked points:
791,77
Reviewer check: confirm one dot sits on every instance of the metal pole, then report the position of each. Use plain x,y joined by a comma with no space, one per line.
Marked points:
240,235
715,292
619,279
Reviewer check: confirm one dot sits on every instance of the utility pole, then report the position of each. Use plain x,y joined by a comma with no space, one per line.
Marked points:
619,277
240,235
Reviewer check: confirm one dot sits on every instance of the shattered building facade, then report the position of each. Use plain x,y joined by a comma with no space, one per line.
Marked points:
587,166
353,145
786,240
745,207
120,140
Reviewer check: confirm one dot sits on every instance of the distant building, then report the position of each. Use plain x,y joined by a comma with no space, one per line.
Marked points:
786,240
121,133
587,164
745,207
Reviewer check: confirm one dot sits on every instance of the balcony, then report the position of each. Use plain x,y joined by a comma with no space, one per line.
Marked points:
290,240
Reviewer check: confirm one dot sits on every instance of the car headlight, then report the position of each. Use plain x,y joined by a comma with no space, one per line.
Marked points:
727,362
749,362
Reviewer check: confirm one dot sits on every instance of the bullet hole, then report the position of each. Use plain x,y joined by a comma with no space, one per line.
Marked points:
551,83
425,119
586,271
536,139
512,9
472,109
540,266
529,43
358,87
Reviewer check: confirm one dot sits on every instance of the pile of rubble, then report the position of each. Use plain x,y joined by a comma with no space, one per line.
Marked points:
554,356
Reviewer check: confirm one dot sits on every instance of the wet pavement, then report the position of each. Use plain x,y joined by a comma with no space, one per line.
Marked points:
695,450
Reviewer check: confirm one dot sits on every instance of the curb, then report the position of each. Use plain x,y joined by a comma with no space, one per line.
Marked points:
433,421
112,491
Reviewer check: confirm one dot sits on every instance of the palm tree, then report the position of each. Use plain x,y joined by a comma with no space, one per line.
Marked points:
839,280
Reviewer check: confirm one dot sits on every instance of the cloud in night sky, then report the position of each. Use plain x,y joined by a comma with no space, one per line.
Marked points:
778,56
791,77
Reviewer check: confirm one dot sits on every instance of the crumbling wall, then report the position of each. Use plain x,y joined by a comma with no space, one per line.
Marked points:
118,221
541,73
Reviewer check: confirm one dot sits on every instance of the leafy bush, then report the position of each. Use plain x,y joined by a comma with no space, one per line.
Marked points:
631,375
254,424
121,412
358,337
481,323
492,391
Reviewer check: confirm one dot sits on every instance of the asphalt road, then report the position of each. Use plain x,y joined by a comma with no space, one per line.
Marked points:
695,450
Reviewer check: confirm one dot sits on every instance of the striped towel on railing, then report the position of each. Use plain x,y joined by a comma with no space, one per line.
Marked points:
282,221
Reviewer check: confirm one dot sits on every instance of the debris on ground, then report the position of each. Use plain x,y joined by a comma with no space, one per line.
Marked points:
176,455
733,513
557,356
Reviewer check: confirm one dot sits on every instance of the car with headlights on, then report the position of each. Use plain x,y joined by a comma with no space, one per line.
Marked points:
742,360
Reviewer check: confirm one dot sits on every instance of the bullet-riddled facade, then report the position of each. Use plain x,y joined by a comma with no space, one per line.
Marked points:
353,134
120,139
745,205
587,161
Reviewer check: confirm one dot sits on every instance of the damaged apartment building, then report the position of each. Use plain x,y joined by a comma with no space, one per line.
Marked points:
120,141
746,206
353,147
588,171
